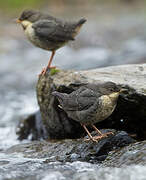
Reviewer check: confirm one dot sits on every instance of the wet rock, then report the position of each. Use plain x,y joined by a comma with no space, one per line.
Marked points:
129,115
73,150
55,120
133,154
42,159
31,128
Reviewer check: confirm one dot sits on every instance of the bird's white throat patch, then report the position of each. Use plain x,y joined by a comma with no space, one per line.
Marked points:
26,23
29,31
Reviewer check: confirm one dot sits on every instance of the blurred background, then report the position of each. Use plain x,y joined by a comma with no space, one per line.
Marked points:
114,34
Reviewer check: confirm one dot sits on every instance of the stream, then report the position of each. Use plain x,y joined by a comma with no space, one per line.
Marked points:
114,40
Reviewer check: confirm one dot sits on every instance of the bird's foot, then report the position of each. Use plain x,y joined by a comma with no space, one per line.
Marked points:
98,138
108,133
91,139
103,135
44,70
51,67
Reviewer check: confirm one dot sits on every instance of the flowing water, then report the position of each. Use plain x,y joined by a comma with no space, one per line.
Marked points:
113,40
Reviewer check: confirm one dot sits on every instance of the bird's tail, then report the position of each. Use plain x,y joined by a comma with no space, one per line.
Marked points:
81,22
78,26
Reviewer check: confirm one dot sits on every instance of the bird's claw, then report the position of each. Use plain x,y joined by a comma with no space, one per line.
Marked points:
93,140
44,70
109,133
51,67
98,138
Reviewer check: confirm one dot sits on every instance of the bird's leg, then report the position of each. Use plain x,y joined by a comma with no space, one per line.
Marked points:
90,136
50,61
101,135
49,64
96,130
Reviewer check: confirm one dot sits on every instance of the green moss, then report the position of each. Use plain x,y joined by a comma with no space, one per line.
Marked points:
54,71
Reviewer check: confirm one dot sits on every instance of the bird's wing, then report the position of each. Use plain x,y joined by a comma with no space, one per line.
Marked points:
83,106
86,99
53,31
81,99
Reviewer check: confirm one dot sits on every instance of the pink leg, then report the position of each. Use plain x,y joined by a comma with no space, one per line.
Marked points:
49,64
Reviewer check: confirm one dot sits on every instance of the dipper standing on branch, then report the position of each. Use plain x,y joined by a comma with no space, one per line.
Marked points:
90,104
48,32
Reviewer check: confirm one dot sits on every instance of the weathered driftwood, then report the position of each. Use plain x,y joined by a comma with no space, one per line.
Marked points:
129,115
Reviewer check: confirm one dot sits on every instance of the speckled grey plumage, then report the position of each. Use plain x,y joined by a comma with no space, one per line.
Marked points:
90,103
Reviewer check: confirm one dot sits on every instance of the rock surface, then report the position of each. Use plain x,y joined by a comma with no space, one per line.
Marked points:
66,155
129,155
74,159
130,110
73,150
131,75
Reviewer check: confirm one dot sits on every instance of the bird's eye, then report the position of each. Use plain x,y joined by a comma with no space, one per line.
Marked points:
27,16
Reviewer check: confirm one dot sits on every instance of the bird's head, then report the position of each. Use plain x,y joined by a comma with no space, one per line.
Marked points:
62,98
28,17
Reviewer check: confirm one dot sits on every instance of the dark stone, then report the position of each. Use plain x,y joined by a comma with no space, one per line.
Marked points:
130,155
129,115
73,150
55,120
32,125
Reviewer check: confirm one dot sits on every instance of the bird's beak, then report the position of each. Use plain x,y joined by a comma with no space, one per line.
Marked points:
18,21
